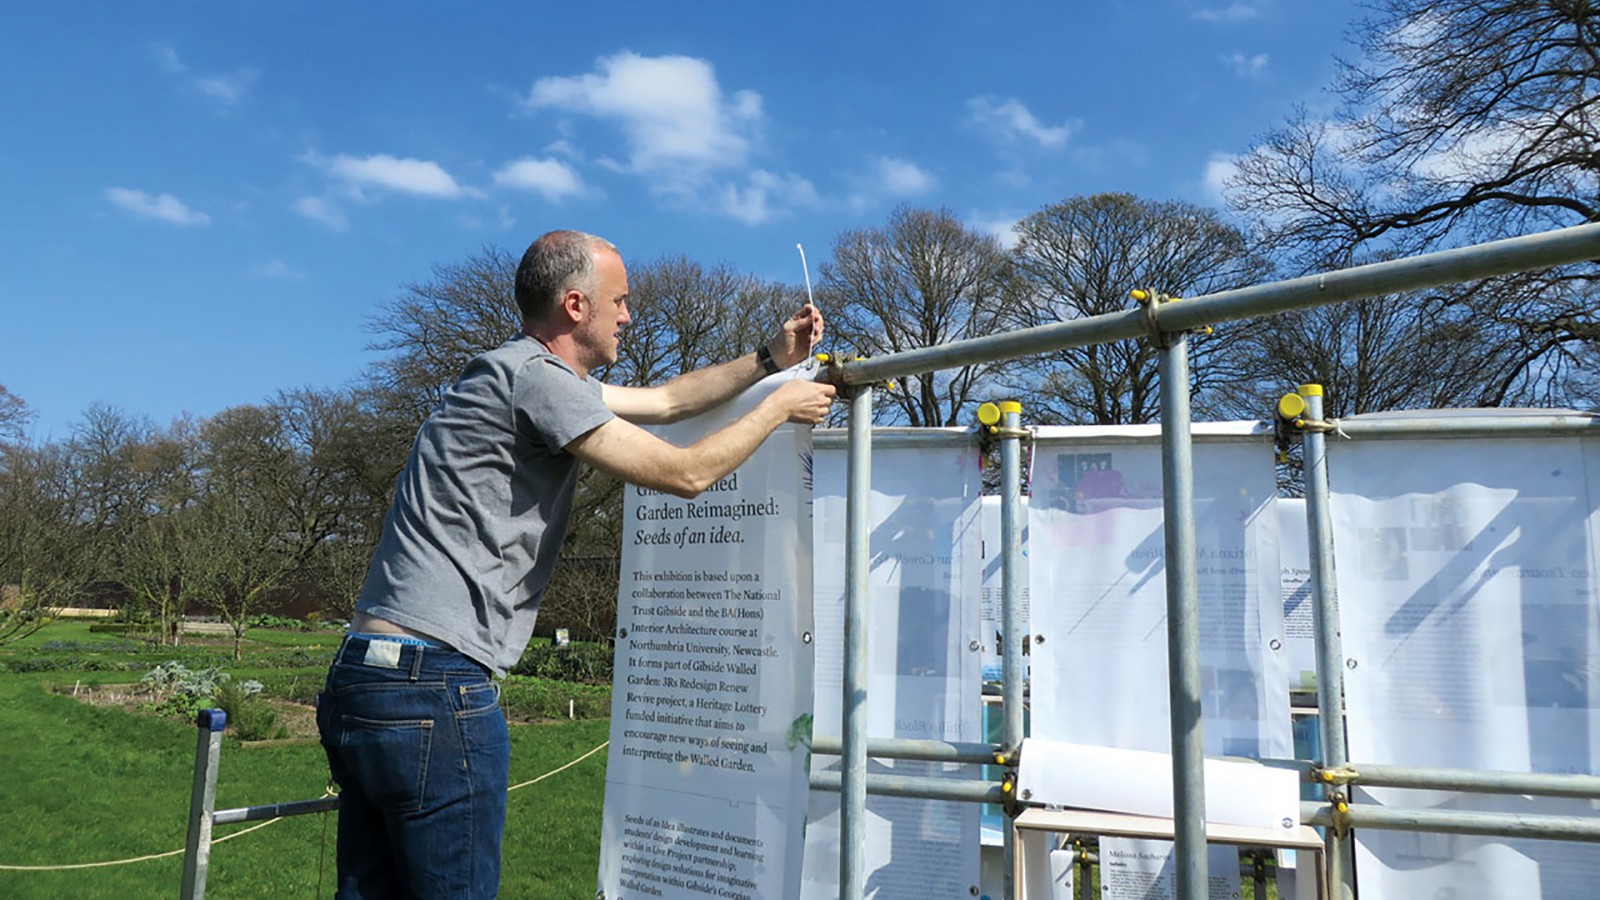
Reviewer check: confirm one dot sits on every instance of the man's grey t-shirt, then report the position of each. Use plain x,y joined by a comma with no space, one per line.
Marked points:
481,507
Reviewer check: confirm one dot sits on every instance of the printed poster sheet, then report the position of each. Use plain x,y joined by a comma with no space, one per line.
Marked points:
1299,607
706,774
1099,617
924,662
1466,581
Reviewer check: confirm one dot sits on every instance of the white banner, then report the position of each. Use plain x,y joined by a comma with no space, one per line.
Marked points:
1100,640
1471,640
924,662
1299,607
706,774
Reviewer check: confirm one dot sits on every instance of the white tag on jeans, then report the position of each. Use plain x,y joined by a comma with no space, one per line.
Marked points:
383,654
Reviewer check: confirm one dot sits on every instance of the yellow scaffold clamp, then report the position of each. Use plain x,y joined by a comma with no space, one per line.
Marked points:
1149,302
990,415
834,365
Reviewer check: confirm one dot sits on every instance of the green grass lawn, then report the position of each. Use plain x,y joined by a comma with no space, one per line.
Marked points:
84,784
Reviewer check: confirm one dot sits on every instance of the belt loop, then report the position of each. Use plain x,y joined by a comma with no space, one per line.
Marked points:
339,657
416,660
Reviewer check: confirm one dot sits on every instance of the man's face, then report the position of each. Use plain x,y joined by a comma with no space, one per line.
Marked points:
606,310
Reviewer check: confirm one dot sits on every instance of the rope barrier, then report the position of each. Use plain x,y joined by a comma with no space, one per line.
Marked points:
243,832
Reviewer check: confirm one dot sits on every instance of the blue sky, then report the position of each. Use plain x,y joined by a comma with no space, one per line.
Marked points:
205,203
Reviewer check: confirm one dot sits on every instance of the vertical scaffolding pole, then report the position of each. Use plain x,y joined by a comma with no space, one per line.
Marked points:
1013,673
1330,655
1183,622
857,596
202,802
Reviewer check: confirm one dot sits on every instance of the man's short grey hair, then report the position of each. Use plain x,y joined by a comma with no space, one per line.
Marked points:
557,262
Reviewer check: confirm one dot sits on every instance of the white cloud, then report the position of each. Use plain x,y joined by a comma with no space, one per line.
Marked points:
1012,120
1214,182
890,178
318,210
1002,227
163,207
678,123
902,178
1247,66
276,268
1235,12
1479,154
551,178
766,196
227,88
408,176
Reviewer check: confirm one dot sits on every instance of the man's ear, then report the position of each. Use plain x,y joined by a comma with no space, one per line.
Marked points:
572,303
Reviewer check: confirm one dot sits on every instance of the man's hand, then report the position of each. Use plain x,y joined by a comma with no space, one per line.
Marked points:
797,338
804,402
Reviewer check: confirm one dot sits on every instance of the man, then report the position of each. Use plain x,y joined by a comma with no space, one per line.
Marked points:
409,717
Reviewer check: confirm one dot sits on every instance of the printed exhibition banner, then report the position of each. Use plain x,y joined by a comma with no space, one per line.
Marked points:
1465,570
706,774
1299,607
924,660
1099,617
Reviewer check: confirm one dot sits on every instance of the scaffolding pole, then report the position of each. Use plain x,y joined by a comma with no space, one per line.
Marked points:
1183,622
857,595
1330,652
1013,675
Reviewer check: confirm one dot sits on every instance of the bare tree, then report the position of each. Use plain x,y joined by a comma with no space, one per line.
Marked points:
1081,257
156,556
922,280
14,417
435,327
1459,121
43,543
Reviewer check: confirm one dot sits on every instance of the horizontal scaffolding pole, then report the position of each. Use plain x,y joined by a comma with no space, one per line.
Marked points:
896,437
274,810
1476,781
1535,251
1445,821
964,791
903,748
1442,425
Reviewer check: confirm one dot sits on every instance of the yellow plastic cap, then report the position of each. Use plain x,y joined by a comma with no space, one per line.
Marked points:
823,357
989,414
1011,406
1311,390
1290,406
1139,295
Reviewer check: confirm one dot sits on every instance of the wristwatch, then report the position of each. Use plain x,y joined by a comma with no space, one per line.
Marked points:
768,364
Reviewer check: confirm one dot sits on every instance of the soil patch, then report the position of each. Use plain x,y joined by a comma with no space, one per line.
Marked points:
298,719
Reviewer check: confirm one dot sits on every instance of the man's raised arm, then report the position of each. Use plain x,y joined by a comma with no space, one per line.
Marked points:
638,457
695,392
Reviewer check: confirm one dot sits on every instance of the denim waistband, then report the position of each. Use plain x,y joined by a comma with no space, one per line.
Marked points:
407,654
397,638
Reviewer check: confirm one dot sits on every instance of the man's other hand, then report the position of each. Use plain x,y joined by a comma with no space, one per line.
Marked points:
805,402
797,338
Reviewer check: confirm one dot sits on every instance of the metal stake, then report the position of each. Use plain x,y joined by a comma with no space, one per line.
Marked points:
202,800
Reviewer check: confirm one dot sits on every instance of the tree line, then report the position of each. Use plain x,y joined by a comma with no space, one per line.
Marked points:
1458,122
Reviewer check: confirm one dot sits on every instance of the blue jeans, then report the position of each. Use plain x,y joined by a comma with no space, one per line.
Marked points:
418,744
